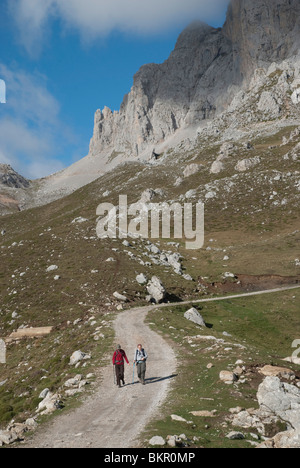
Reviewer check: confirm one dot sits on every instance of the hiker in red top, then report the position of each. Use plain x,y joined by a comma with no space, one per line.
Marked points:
118,362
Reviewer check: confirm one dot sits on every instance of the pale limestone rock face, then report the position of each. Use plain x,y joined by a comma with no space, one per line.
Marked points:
206,70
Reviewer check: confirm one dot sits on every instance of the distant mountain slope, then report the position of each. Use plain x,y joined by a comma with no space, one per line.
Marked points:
12,189
10,178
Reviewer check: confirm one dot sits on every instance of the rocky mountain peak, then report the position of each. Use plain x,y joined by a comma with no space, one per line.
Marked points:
10,178
201,77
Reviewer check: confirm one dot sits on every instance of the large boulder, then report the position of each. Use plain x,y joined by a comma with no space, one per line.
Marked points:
78,356
279,405
7,438
281,400
228,377
120,297
51,403
194,316
156,290
157,440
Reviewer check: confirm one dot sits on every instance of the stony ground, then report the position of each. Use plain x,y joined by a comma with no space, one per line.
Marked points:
114,417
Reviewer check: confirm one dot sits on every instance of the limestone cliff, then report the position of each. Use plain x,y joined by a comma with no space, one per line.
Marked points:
202,75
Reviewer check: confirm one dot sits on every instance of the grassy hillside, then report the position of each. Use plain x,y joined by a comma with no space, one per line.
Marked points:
258,330
245,221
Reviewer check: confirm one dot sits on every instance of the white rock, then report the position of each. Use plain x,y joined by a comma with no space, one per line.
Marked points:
211,194
154,249
191,170
78,356
175,417
228,377
157,440
187,277
246,164
50,404
74,382
217,167
31,423
194,316
228,275
280,399
120,297
44,393
156,290
141,279
52,268
296,96
7,437
79,220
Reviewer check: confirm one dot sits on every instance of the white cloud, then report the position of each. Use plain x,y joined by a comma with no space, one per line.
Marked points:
31,130
97,18
29,96
30,17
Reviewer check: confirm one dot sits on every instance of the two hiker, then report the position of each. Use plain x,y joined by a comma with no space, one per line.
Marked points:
140,358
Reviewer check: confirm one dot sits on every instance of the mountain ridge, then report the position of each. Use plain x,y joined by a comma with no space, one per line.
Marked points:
200,78
215,85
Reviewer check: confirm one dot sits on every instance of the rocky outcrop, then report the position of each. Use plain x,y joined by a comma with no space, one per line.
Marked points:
156,290
165,97
279,405
201,76
261,32
194,316
10,178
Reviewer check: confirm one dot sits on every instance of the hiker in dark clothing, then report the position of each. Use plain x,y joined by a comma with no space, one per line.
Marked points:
140,358
118,362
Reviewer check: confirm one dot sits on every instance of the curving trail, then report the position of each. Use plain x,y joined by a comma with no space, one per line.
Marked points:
113,417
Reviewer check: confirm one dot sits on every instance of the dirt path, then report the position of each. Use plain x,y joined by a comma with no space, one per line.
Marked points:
113,417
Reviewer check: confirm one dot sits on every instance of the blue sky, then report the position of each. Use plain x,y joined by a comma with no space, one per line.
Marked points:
62,60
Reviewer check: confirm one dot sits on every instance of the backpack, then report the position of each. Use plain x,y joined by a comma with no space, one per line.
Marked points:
119,357
136,353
